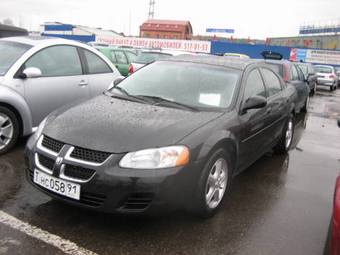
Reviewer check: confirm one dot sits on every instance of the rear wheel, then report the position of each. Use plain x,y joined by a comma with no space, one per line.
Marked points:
305,107
213,184
9,129
286,140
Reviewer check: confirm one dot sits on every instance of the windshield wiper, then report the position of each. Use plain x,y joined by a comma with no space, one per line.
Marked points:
126,96
160,100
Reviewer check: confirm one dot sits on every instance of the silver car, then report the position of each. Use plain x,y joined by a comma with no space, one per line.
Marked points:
39,75
326,76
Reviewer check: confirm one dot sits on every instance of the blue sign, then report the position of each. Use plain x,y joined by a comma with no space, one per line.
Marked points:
220,30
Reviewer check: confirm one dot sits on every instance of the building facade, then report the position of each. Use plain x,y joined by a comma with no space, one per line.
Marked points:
166,29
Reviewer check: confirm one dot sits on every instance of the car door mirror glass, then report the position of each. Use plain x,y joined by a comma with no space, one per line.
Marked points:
254,102
31,72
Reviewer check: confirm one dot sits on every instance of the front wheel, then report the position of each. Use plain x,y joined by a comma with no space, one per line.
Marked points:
286,140
213,184
9,129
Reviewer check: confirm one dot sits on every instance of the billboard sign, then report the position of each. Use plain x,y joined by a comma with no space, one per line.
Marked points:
329,57
166,44
220,30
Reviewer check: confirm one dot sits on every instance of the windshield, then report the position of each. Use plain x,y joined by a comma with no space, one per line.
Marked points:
10,52
148,57
195,85
323,69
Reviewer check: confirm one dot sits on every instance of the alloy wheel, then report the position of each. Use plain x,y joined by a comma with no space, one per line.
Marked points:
216,183
6,130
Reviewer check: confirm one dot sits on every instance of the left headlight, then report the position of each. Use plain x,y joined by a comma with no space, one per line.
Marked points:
42,124
172,156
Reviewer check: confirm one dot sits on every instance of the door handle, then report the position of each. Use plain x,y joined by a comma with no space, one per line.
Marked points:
83,83
269,110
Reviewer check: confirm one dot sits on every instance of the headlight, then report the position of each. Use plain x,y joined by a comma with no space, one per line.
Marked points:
42,124
172,156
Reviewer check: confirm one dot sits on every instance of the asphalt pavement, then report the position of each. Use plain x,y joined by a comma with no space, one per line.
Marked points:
280,205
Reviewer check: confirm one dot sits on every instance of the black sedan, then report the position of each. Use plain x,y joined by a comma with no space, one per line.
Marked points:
175,134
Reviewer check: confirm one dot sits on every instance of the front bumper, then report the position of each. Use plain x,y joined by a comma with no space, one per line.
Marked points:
113,189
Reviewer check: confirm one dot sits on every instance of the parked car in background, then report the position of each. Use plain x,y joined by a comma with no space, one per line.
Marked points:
175,134
337,71
292,74
148,56
326,76
120,57
39,75
310,76
236,55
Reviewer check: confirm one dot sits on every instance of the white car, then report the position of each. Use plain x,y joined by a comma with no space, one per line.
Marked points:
39,75
326,76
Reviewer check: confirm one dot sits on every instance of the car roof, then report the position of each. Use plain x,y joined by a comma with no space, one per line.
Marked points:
39,40
324,66
236,63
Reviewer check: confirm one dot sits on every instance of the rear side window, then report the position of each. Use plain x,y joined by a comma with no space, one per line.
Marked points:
254,86
95,64
121,58
300,74
56,61
273,83
294,73
131,56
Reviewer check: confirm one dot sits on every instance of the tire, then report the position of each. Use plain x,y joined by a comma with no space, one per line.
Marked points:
331,88
201,207
9,129
284,144
305,107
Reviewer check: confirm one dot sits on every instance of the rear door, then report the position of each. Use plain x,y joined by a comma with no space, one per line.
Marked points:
62,81
301,87
277,106
122,62
254,122
99,74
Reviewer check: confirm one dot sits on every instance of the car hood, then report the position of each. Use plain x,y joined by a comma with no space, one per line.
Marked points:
1,79
118,126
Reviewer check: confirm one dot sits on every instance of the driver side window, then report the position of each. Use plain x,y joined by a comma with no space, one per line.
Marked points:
254,86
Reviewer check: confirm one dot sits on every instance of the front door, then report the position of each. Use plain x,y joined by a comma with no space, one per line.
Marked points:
62,81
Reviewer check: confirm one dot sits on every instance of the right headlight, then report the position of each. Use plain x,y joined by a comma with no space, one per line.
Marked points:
165,157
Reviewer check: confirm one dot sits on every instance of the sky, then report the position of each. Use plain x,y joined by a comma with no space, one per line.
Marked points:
257,19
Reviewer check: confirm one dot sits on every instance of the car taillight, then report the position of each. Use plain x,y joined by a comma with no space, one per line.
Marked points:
285,73
332,76
130,70
335,243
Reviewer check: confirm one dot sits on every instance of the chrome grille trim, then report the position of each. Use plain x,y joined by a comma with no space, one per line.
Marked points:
40,166
44,149
72,179
80,161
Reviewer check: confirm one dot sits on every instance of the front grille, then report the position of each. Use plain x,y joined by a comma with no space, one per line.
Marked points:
46,162
89,155
52,144
78,172
138,201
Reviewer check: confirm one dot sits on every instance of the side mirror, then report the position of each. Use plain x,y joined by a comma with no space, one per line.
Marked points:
31,72
115,82
255,102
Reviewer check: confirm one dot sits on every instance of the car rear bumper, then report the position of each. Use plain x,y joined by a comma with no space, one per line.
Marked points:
116,190
325,82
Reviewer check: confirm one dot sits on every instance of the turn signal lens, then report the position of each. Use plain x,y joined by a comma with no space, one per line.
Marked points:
166,157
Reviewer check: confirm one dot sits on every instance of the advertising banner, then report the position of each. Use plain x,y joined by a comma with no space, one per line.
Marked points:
329,57
166,44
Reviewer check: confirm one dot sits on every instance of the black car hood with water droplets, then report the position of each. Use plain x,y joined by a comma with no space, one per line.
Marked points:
118,126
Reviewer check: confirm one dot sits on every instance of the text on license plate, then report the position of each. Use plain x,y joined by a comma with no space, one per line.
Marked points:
56,185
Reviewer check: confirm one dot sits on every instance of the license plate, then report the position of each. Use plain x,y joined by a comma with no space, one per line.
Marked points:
65,188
